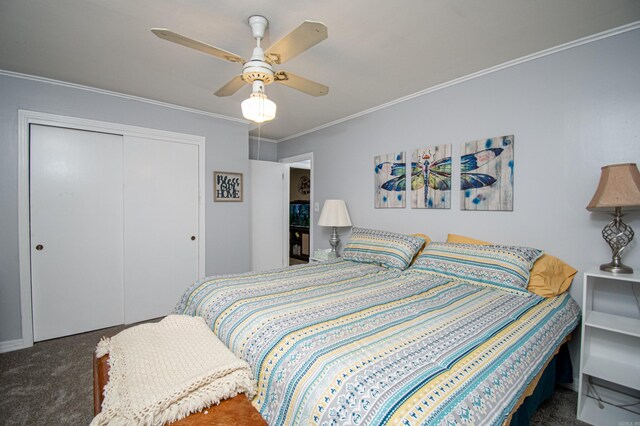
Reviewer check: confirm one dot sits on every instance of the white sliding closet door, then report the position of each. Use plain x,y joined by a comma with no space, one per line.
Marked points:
160,223
76,231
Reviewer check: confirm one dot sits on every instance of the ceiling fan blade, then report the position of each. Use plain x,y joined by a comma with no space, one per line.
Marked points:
302,84
231,87
308,34
168,35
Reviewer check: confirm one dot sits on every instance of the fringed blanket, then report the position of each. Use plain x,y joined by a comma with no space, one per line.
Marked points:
163,372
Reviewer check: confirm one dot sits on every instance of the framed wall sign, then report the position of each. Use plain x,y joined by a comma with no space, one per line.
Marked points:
227,186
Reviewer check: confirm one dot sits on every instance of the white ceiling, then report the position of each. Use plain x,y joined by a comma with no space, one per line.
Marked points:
377,51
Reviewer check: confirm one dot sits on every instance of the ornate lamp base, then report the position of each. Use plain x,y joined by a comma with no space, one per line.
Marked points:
618,235
334,240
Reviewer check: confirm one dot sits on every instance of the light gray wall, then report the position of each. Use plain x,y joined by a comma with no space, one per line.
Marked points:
268,150
571,113
227,224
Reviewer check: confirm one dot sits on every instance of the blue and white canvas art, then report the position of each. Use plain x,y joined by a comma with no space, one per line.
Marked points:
486,174
431,178
390,171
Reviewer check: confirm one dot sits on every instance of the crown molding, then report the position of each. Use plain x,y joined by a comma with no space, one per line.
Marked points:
256,138
570,45
119,95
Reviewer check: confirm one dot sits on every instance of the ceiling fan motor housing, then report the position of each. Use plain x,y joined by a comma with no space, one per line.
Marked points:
257,70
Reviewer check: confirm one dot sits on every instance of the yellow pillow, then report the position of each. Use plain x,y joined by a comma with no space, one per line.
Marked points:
550,276
459,239
427,240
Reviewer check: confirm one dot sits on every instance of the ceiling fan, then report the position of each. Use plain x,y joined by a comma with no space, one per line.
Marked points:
258,71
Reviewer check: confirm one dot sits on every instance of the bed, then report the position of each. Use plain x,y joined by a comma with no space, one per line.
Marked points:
361,343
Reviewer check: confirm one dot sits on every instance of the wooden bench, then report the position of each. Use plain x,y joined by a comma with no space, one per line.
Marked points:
236,411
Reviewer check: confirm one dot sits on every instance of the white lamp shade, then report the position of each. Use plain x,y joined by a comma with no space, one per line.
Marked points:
334,213
258,108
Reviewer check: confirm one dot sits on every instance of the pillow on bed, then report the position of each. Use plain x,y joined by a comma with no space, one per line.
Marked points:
550,276
427,240
506,267
382,248
460,239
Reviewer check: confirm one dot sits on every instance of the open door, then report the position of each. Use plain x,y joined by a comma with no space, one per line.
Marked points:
299,212
299,208
268,217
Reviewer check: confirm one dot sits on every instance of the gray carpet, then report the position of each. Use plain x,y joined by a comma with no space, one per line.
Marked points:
51,383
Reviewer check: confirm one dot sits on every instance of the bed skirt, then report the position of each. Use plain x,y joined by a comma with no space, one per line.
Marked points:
558,371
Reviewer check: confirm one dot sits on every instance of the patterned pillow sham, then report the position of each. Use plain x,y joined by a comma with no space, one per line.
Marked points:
506,267
549,275
382,247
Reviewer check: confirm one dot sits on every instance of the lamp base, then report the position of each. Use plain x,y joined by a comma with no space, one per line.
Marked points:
333,242
618,235
616,268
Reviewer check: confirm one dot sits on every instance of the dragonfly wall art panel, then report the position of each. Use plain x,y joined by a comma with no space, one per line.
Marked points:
486,174
390,172
431,178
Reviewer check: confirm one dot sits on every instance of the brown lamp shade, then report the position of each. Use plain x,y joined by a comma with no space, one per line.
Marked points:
619,186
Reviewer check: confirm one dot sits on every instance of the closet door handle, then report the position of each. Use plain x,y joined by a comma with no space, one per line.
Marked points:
193,238
39,247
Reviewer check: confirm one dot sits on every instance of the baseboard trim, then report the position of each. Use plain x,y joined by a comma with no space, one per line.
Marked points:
11,345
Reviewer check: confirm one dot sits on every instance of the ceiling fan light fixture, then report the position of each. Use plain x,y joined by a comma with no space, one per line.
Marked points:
258,108
258,71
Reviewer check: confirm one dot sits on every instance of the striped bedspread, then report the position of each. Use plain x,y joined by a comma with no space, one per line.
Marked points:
344,343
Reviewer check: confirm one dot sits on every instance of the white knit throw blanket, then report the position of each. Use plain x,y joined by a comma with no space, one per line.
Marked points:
163,372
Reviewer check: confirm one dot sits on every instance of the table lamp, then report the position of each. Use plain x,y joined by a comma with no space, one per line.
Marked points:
334,214
619,187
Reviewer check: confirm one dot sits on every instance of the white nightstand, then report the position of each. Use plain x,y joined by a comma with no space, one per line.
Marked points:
610,349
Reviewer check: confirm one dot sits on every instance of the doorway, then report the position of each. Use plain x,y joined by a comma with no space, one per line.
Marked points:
299,208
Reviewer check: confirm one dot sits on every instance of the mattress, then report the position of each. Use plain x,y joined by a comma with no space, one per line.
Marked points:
345,343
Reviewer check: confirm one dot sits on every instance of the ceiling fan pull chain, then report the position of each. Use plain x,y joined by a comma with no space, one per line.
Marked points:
259,126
